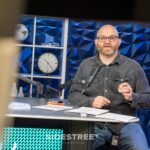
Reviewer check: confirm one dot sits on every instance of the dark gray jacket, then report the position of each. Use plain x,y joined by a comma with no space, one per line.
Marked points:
106,83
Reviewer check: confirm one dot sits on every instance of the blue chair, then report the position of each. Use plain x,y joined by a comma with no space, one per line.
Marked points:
148,133
144,115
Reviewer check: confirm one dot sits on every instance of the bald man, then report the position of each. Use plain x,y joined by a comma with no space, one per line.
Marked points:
119,85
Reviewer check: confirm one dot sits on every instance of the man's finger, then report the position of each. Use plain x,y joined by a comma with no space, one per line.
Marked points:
106,100
123,85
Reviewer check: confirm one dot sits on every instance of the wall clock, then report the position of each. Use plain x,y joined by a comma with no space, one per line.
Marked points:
47,62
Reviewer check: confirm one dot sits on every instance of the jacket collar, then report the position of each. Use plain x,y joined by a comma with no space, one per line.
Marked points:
117,60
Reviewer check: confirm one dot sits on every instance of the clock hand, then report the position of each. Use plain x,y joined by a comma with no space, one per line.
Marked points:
48,64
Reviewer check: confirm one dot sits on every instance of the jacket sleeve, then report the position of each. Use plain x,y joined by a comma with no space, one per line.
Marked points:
76,98
141,95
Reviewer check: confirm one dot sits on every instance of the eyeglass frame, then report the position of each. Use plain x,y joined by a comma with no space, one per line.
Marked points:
116,37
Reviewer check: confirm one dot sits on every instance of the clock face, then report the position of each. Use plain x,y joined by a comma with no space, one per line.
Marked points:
47,62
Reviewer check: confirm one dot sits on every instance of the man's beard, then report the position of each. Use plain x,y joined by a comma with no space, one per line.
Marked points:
107,52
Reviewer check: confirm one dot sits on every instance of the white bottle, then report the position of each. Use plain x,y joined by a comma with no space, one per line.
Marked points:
14,90
20,93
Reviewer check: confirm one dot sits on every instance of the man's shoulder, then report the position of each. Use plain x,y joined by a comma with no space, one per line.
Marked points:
130,61
90,60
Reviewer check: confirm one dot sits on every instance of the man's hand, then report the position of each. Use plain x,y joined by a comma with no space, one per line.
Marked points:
100,101
126,90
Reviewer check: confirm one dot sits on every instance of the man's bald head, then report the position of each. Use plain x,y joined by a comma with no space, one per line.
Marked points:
108,27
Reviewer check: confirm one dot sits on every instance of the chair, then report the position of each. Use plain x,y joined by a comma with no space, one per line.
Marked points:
144,115
148,133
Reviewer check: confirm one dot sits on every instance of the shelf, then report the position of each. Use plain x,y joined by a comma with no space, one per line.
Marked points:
38,46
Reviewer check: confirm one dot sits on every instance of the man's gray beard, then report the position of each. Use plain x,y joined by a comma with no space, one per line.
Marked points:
106,54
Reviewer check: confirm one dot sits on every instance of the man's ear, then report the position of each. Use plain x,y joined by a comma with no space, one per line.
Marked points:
95,41
119,42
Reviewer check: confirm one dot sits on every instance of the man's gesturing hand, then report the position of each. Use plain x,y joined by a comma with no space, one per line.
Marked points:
100,101
126,90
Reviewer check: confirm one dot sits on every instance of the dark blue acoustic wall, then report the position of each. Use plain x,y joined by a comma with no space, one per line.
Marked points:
135,44
80,44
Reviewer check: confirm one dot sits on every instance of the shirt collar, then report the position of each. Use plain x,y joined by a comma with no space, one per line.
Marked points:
117,60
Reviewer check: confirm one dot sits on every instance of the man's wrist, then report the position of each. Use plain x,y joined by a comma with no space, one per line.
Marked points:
91,101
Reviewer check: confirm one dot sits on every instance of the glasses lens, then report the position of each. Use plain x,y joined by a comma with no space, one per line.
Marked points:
102,38
111,38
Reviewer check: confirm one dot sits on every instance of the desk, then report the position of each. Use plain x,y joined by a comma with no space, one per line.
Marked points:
71,122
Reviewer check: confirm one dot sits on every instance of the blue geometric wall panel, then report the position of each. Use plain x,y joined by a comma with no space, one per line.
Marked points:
25,60
48,31
80,44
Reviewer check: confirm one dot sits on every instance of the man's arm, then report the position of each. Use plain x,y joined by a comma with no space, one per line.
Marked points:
140,96
76,97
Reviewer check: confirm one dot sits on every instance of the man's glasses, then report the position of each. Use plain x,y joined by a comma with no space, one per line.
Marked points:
111,38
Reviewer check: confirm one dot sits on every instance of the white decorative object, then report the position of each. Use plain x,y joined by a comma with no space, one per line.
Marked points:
20,93
21,32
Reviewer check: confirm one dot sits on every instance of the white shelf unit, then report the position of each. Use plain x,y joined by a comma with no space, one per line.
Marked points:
62,47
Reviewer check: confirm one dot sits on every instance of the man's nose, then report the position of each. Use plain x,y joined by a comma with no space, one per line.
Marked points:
107,40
